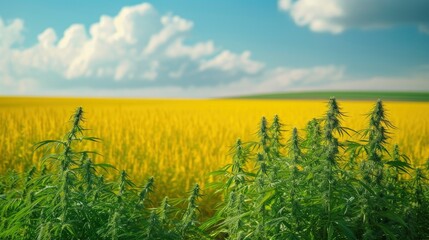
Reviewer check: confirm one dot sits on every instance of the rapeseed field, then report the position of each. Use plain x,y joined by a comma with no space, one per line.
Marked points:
180,141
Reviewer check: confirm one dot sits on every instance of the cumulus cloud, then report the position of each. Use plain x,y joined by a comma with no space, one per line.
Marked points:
138,47
173,25
336,16
230,62
74,37
10,33
140,52
178,49
47,38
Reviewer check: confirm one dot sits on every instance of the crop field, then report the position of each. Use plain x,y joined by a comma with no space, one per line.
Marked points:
180,141
308,170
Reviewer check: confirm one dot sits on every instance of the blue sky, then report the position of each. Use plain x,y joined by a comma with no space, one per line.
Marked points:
194,48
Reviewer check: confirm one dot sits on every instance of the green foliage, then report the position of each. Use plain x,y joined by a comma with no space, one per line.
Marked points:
322,186
68,198
303,184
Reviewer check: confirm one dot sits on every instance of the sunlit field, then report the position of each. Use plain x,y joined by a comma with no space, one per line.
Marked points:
180,141
338,177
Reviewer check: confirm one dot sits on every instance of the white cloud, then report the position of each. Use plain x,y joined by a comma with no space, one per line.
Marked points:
139,52
47,38
135,23
10,33
122,69
336,16
172,25
284,4
137,47
115,43
230,62
178,49
74,37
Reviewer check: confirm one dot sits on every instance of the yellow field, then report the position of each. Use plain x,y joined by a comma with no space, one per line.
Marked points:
180,141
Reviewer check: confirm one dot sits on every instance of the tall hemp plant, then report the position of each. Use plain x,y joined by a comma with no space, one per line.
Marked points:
69,198
307,184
